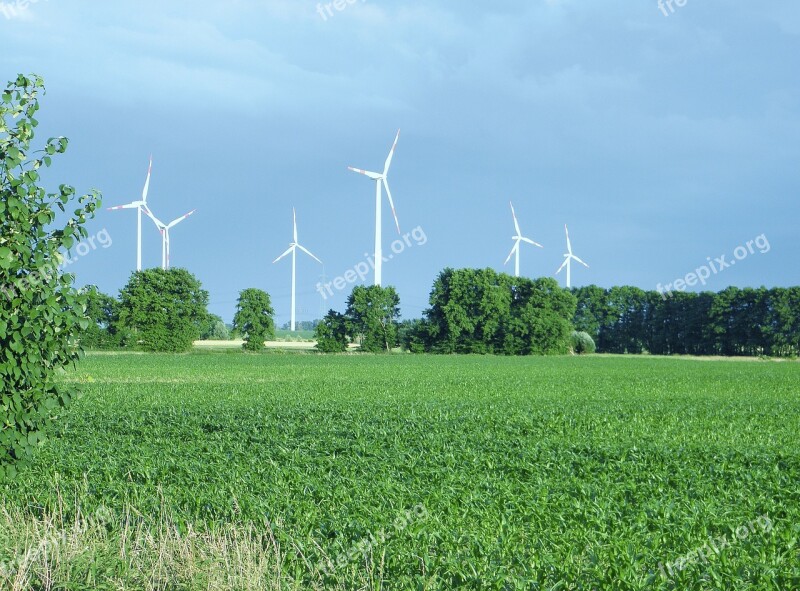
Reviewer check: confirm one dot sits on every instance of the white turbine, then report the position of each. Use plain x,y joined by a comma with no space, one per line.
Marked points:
381,181
139,206
164,229
517,239
293,250
568,257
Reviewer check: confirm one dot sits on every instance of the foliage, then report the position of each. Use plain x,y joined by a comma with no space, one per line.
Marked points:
40,310
372,314
103,330
734,322
536,473
331,333
582,343
213,328
254,318
482,311
413,335
302,325
163,309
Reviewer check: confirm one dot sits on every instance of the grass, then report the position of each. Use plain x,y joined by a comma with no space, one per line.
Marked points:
234,471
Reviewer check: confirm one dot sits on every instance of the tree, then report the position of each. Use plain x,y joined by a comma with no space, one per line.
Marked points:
784,321
372,314
628,307
592,311
163,309
331,333
539,318
414,335
303,325
468,307
482,311
41,312
102,311
213,328
254,318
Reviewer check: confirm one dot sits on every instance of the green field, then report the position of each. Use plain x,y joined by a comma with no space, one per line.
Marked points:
417,472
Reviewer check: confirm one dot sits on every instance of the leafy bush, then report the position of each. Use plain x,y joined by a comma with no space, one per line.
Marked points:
582,343
163,309
41,312
254,318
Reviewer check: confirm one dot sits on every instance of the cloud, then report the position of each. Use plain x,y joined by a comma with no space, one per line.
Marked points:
17,10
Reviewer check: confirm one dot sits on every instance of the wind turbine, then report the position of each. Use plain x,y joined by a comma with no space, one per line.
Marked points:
164,229
139,206
381,181
517,239
293,250
568,257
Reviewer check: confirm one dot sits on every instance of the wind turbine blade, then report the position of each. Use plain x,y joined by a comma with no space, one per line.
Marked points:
174,223
564,264
516,223
133,205
569,245
580,261
373,175
147,181
159,224
529,241
288,252
513,250
391,155
391,202
294,217
308,252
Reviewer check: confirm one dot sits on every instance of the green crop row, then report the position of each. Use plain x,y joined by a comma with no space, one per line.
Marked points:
417,472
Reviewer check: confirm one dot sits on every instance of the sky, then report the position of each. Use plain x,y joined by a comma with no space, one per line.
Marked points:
664,136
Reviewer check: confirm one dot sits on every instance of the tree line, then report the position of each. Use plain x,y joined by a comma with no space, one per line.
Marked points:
733,322
472,311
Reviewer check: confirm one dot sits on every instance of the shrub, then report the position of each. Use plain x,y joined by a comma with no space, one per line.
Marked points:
582,343
41,312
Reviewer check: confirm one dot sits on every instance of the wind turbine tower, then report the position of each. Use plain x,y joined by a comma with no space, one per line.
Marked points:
568,258
293,248
518,238
381,182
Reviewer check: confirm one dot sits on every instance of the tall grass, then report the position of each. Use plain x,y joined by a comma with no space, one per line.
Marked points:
131,551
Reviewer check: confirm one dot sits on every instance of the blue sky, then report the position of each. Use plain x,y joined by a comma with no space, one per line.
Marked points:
660,140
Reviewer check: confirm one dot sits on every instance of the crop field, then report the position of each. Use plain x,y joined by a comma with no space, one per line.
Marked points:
219,470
